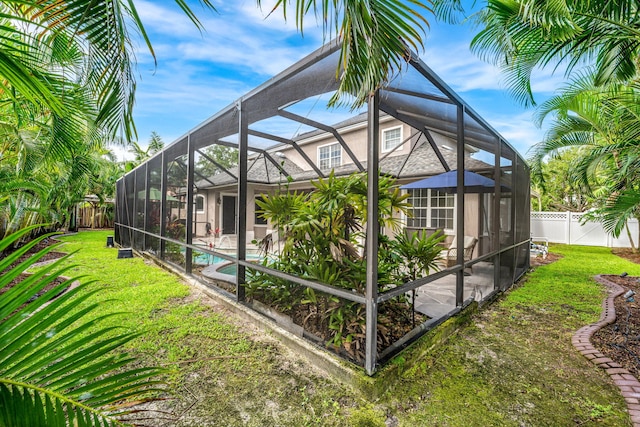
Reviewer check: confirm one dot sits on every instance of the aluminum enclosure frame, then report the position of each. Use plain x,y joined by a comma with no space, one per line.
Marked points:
428,106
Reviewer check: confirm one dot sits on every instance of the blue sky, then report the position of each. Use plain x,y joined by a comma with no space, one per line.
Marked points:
197,74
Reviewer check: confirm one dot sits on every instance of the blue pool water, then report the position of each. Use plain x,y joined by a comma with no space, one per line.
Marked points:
208,259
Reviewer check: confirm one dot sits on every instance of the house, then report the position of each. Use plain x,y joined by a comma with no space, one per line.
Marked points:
405,154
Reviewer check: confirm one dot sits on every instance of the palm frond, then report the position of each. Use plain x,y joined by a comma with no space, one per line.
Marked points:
55,359
374,36
523,35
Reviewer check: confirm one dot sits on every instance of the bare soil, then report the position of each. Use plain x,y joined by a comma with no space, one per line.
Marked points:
539,260
620,340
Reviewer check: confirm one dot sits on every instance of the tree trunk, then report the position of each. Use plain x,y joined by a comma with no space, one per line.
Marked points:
72,218
633,246
93,215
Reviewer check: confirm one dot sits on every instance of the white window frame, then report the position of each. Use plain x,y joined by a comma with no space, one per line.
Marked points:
429,210
331,165
383,139
204,203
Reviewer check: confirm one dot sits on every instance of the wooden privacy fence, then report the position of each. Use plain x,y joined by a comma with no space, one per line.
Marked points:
567,227
92,216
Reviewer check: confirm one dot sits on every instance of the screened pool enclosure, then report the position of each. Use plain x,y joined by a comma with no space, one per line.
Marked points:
201,205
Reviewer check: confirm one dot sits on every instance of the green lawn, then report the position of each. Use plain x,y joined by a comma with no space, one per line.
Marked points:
513,365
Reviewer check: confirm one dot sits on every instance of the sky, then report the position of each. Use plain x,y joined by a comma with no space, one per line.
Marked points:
196,74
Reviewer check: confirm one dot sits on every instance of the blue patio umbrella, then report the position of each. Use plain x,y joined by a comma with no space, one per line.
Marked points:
448,183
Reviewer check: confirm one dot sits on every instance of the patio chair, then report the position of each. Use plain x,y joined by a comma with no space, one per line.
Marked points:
450,256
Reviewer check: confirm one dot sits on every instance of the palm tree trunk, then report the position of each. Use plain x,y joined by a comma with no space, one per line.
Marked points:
633,246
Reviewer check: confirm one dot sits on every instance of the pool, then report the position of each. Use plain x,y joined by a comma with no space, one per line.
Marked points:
225,271
209,259
230,269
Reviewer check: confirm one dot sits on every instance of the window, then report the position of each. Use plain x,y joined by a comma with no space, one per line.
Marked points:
329,156
259,219
431,209
199,203
391,138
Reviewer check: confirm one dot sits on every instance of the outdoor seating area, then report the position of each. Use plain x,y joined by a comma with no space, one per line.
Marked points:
450,255
280,173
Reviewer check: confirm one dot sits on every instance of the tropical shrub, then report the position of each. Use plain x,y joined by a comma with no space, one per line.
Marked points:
57,366
320,236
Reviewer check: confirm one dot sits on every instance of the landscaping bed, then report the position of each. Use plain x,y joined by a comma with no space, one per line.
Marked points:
395,320
50,256
620,340
37,248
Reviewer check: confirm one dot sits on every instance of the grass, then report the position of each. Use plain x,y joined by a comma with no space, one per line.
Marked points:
221,373
513,365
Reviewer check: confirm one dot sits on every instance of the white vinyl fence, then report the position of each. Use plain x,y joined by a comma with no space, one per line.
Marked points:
566,227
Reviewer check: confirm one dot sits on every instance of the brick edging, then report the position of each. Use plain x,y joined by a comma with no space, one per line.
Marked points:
628,384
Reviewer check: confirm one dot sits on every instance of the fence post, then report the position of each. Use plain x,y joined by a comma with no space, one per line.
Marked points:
568,231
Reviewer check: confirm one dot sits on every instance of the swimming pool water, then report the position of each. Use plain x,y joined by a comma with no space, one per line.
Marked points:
208,259
228,269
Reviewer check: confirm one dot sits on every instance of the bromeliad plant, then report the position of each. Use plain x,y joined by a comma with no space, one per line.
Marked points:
57,366
320,236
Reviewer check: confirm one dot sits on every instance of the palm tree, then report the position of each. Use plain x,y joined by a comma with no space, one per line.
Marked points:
374,35
57,367
141,154
597,112
523,35
602,122
99,33
556,185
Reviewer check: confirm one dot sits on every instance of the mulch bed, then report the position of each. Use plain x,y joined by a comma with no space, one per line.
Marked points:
620,340
47,257
37,248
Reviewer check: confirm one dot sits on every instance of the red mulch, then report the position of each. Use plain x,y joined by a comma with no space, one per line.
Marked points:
620,340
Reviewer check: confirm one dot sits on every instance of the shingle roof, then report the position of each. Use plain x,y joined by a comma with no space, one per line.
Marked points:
422,162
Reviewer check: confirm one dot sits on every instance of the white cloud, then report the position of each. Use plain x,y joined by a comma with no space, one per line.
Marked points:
518,129
465,72
164,20
121,153
253,54
239,35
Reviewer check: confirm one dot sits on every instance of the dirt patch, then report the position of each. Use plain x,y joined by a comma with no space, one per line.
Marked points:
539,260
55,282
37,248
627,253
